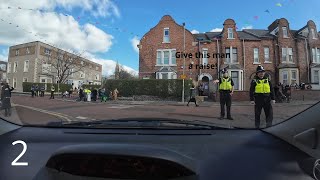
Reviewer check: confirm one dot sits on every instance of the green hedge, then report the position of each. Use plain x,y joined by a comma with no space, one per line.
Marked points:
91,86
63,87
154,87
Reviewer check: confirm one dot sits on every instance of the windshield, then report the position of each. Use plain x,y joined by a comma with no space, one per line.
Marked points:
158,64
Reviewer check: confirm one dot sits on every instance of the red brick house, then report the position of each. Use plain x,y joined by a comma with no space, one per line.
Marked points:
289,56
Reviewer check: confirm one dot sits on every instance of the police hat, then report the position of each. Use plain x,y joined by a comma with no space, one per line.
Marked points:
260,69
224,70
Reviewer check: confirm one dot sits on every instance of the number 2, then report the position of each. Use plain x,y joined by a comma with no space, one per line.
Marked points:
14,162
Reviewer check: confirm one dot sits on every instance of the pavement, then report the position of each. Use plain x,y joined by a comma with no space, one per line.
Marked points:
43,111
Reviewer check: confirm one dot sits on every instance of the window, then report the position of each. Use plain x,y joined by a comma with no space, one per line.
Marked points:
97,68
256,55
46,68
316,55
290,55
43,80
166,35
60,56
235,79
90,66
285,32
205,59
266,55
287,55
9,68
27,50
71,72
15,67
233,58
285,77
316,76
25,79
26,66
313,34
173,57
14,83
17,52
82,75
97,76
230,33
293,76
164,75
47,51
166,57
159,59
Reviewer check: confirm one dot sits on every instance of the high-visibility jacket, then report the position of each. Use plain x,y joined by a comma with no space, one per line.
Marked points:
262,86
225,84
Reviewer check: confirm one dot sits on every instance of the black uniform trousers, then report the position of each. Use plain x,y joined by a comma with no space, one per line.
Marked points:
262,101
225,100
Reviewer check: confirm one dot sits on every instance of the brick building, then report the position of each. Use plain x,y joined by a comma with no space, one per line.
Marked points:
289,56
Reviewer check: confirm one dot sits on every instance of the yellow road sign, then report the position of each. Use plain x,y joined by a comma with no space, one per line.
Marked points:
183,76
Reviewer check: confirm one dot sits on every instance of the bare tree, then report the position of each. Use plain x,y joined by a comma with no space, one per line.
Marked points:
123,74
60,64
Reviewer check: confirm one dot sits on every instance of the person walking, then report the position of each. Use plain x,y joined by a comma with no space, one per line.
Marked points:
193,93
262,95
6,99
115,94
80,94
37,90
52,92
32,90
94,94
42,91
226,91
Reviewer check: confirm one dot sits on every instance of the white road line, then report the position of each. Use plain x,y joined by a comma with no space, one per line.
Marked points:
63,116
81,117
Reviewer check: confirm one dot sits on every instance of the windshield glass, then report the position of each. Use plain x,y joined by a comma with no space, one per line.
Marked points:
154,64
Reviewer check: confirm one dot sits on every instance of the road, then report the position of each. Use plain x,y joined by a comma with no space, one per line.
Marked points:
43,111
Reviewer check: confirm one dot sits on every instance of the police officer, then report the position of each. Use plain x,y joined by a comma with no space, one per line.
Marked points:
261,95
226,91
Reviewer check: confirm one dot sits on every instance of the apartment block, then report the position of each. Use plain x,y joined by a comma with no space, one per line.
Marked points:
36,62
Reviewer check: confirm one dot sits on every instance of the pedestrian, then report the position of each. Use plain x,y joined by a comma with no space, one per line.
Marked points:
115,94
200,89
103,95
94,94
80,94
52,92
37,90
32,90
42,90
6,99
226,91
65,94
261,95
70,92
111,95
193,94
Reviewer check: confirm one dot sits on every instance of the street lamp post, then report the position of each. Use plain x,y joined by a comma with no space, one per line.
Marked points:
184,60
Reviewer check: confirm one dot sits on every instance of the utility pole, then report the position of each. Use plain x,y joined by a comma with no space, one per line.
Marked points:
184,59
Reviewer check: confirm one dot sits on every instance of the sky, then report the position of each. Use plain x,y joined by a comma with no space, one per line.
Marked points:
108,31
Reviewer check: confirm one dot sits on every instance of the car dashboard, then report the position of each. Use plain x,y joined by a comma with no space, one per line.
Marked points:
74,153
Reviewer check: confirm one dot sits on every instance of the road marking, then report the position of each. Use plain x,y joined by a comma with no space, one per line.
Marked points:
81,117
121,106
63,116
